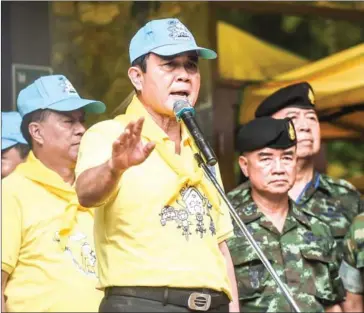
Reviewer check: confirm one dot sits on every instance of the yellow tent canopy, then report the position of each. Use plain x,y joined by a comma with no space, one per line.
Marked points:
243,57
338,82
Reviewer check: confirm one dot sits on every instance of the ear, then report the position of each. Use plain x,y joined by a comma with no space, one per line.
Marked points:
136,77
36,132
243,162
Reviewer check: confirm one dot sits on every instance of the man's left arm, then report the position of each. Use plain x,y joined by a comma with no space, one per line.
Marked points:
353,302
234,305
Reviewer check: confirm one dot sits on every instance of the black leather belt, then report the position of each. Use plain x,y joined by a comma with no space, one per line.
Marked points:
195,299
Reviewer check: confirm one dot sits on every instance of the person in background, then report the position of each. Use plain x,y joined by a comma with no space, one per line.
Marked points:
14,148
48,261
334,201
299,246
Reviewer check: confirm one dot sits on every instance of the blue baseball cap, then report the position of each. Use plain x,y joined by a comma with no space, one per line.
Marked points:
165,37
54,92
10,130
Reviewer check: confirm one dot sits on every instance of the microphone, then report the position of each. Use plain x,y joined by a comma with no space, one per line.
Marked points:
185,112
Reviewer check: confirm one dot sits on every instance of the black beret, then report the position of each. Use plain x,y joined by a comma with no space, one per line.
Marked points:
266,132
297,95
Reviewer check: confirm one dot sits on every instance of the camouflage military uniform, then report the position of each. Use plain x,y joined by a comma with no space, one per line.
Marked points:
304,256
334,201
352,267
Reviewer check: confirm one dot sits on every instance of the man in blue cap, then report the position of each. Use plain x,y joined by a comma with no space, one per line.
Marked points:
160,226
48,259
14,148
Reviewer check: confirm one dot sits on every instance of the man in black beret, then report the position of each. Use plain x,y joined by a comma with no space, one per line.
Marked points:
334,201
299,246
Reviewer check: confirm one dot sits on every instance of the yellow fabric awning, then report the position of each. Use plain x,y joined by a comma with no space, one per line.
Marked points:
243,57
338,82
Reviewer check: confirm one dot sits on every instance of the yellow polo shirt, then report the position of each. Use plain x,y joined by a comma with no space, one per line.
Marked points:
142,242
45,277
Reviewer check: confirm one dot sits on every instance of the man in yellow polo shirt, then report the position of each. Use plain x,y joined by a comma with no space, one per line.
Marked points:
48,260
160,226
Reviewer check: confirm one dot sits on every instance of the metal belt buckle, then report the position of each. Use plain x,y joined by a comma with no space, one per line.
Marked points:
199,301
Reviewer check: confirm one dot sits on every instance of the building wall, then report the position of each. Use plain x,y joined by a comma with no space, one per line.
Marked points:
25,39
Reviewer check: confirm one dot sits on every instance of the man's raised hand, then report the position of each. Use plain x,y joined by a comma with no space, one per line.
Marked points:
128,150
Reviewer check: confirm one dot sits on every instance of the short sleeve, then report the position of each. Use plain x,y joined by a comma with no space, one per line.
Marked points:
335,279
96,145
353,261
11,229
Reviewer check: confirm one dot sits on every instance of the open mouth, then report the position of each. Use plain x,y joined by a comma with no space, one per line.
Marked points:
182,94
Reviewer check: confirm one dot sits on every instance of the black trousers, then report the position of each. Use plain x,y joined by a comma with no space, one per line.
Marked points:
114,302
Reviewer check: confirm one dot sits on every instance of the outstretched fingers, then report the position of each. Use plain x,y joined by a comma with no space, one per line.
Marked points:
138,127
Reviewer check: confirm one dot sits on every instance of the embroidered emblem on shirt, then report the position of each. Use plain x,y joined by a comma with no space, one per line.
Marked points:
195,208
81,253
255,274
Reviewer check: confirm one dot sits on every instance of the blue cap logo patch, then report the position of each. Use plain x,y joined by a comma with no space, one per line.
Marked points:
67,86
178,31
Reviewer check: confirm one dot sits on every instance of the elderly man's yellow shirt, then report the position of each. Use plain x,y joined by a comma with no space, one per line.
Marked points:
43,276
142,242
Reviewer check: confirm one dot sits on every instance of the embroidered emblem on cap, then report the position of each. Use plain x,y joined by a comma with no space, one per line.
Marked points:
178,31
291,131
311,96
67,86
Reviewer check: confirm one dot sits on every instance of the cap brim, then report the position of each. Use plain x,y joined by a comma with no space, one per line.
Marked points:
7,143
306,106
169,50
90,106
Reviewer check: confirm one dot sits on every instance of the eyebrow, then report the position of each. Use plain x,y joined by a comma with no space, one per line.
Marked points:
262,154
288,153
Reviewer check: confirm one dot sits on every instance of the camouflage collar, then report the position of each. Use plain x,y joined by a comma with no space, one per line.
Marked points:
324,183
298,214
317,182
248,210
250,213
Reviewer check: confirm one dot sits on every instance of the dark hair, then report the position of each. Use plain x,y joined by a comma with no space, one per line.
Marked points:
141,62
35,116
23,150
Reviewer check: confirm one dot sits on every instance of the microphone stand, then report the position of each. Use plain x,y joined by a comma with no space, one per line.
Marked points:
248,236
